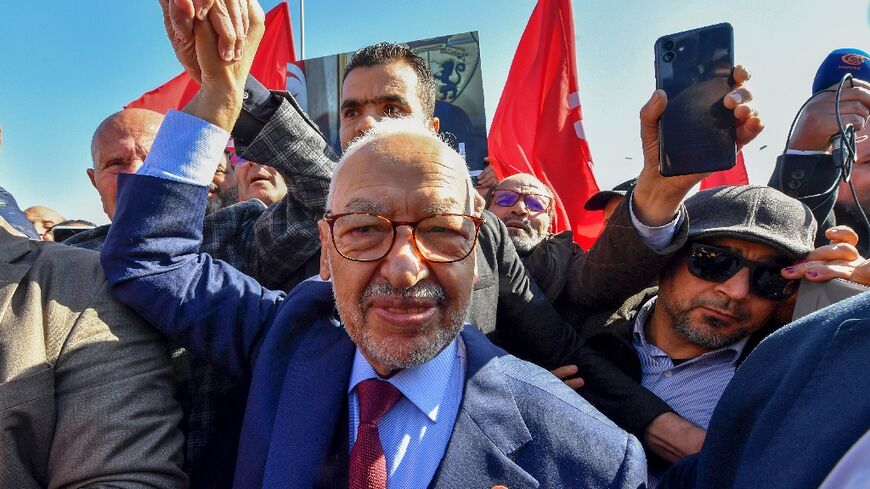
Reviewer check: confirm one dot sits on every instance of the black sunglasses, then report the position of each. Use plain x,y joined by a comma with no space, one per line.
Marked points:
715,264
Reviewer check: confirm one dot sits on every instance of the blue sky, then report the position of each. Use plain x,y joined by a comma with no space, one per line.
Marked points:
67,65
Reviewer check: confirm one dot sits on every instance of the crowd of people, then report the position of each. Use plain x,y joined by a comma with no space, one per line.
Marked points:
371,319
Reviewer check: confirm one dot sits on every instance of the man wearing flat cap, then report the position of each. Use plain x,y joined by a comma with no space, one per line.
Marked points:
684,338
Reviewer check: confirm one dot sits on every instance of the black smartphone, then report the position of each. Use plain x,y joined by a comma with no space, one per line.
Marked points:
61,233
696,131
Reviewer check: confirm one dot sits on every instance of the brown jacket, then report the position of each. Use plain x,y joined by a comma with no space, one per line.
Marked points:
85,386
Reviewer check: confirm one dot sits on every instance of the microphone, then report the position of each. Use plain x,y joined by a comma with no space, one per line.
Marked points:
838,64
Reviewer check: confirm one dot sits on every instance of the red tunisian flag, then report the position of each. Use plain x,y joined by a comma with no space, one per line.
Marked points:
538,126
269,67
734,176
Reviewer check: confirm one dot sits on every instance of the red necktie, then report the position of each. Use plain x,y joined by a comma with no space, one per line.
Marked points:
368,466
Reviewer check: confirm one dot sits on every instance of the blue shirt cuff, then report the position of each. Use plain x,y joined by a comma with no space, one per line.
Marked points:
658,237
187,149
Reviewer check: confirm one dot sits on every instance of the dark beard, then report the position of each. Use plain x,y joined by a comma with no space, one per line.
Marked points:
683,325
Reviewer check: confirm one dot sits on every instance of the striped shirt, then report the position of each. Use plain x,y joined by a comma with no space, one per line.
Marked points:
693,387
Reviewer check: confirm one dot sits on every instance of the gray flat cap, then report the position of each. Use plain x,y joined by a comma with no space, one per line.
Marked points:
753,213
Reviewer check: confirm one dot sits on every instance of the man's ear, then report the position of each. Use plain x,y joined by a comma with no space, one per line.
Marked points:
436,124
479,204
323,233
91,176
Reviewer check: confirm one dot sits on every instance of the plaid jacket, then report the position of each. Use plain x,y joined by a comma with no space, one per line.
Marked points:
283,247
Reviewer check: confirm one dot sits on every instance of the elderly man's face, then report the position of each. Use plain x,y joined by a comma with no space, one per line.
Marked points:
260,182
370,93
401,310
121,147
526,226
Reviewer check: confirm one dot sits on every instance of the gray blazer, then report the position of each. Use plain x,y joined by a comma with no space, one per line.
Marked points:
86,388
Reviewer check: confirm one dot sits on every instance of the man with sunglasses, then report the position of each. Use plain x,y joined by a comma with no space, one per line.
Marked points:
716,297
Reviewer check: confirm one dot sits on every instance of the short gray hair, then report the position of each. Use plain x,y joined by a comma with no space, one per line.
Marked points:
407,126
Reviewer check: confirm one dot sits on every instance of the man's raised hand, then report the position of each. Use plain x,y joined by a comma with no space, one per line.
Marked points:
819,122
220,97
230,20
657,198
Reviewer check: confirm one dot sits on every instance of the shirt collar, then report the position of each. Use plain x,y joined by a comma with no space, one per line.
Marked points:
424,385
640,321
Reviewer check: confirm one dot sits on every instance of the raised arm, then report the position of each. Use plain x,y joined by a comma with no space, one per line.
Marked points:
648,227
273,130
151,256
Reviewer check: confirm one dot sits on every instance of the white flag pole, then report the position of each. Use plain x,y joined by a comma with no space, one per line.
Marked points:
301,29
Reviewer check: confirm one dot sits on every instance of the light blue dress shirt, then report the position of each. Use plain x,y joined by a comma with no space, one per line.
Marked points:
187,149
692,388
415,432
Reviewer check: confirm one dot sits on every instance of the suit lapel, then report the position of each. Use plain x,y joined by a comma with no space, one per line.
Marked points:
312,397
489,428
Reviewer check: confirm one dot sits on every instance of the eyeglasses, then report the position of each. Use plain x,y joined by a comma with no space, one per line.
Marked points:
509,198
715,264
440,238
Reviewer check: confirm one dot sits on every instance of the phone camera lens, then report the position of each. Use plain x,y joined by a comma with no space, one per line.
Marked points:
669,44
668,56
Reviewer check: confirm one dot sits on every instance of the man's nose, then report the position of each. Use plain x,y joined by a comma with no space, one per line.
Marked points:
253,168
519,208
365,122
736,287
404,266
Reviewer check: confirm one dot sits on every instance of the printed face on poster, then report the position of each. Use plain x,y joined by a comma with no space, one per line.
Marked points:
455,62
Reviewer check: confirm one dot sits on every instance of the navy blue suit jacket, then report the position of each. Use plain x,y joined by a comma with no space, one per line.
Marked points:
792,410
517,425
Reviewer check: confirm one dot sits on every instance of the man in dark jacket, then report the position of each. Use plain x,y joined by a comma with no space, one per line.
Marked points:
684,339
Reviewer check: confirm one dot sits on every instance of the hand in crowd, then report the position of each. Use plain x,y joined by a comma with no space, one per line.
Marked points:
230,19
487,177
220,97
660,439
840,259
657,198
569,374
818,122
